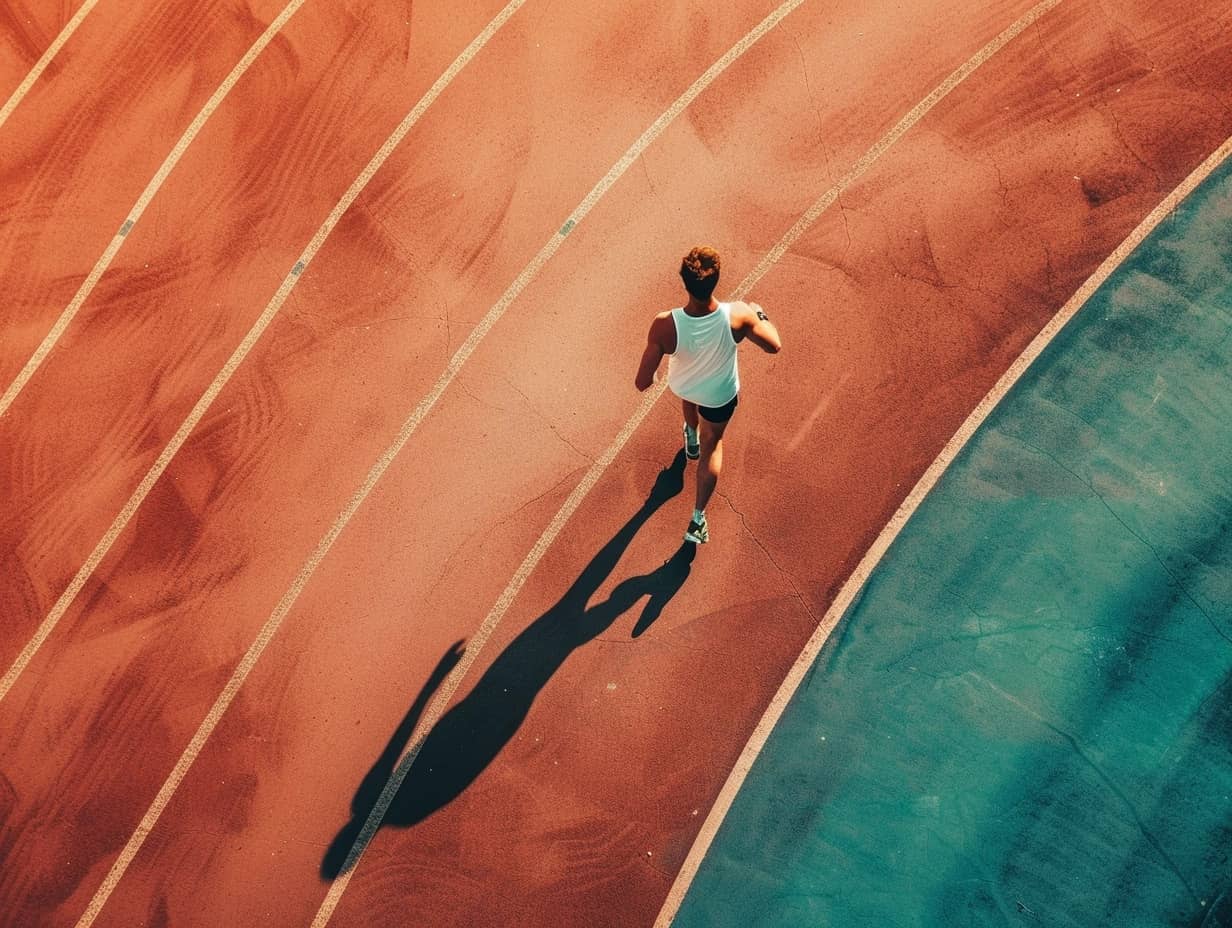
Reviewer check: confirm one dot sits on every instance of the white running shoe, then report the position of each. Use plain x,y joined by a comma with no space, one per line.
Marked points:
698,532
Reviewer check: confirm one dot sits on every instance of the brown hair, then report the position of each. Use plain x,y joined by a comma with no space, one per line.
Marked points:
700,271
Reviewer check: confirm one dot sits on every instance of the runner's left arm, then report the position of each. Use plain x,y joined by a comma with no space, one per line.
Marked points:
757,327
650,359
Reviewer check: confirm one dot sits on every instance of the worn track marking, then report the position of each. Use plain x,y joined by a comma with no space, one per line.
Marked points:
41,65
173,158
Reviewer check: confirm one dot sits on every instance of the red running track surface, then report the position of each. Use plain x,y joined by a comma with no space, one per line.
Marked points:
586,784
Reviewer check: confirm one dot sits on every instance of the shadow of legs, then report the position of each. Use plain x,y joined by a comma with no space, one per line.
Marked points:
475,729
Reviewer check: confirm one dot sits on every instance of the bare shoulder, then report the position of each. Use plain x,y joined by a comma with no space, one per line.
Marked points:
662,323
663,331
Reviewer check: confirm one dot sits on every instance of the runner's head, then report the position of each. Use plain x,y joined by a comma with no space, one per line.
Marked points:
700,272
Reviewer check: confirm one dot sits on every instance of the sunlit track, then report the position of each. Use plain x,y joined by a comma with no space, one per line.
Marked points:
100,267
314,246
248,662
855,583
41,65
479,639
134,502
250,821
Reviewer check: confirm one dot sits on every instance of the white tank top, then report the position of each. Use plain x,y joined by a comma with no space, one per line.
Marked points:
702,369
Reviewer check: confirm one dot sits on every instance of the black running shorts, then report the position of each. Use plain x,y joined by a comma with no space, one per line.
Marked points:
719,413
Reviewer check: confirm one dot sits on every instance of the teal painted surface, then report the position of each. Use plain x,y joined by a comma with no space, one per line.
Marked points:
1027,718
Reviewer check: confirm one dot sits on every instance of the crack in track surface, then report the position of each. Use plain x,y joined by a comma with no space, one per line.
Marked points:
1177,583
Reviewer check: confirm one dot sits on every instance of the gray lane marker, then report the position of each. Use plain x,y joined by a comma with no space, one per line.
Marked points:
169,163
41,65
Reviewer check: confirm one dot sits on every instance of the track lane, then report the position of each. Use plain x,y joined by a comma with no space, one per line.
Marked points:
27,29
35,35
425,477
172,509
80,150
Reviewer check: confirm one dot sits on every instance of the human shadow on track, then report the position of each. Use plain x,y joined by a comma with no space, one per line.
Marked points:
374,782
475,730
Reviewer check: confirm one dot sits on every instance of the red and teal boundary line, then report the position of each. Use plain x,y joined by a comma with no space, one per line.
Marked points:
1025,717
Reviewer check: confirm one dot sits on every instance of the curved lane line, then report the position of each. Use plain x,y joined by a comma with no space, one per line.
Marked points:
272,624
41,65
203,404
909,505
169,163
444,694
66,317
249,660
451,683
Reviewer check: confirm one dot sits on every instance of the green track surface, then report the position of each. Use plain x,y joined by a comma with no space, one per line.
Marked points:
1027,717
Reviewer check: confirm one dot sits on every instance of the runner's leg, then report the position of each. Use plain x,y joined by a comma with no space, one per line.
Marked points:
711,461
690,414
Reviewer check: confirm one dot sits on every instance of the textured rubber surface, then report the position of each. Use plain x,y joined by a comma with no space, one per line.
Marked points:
899,308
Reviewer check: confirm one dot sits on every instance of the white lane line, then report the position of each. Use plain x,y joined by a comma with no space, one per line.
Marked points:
41,65
272,624
169,163
913,116
926,483
78,581
475,645
249,660
440,702
237,357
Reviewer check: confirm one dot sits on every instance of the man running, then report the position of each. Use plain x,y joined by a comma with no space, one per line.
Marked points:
701,338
